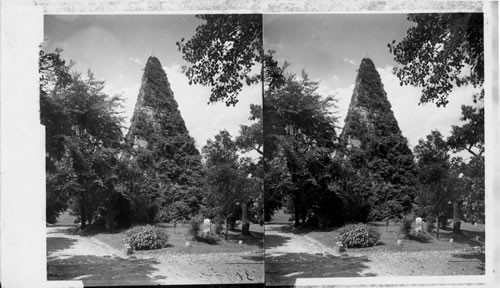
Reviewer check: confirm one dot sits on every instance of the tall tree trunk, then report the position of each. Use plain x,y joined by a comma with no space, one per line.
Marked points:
296,208
437,226
245,224
83,215
225,229
456,219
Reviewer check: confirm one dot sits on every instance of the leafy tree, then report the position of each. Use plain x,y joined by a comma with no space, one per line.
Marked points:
223,53
471,189
251,139
440,51
470,137
299,135
226,180
434,175
90,136
163,150
54,74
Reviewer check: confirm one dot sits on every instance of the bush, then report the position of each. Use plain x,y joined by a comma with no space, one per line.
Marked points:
421,237
209,238
146,238
405,226
357,235
194,226
218,228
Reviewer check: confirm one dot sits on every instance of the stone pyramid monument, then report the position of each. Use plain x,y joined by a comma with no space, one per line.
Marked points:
377,149
163,148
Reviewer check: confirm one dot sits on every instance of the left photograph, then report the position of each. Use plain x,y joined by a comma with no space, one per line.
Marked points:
153,148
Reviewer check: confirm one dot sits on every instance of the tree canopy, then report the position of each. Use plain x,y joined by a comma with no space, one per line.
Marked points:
299,138
226,52
228,180
223,52
83,140
441,51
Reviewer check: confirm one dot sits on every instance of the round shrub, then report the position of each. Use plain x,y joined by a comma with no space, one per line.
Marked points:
406,224
209,238
146,238
195,226
357,235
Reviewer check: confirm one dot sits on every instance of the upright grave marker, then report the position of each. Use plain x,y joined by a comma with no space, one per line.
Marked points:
418,224
206,226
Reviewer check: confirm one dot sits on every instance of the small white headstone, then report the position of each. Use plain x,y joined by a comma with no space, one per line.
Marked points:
418,224
206,226
240,242
400,242
451,240
188,244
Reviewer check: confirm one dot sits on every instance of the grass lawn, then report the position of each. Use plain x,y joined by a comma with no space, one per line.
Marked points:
179,236
389,236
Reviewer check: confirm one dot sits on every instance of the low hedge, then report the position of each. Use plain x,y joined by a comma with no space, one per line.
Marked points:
357,236
146,238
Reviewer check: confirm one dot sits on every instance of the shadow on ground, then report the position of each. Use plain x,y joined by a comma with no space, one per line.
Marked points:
285,269
469,258
105,270
256,258
55,244
273,241
301,230
254,239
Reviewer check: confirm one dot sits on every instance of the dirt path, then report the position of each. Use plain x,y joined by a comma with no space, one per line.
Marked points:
423,263
293,243
86,258
291,256
67,245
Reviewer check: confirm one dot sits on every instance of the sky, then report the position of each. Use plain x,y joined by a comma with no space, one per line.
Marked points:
330,47
116,47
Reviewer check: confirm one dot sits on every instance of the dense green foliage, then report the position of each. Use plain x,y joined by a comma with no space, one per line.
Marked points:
83,139
233,44
170,185
376,149
435,175
224,53
299,139
357,236
469,136
146,238
229,179
406,224
438,51
441,52
53,73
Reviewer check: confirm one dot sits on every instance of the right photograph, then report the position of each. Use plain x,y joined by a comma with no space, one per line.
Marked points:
374,145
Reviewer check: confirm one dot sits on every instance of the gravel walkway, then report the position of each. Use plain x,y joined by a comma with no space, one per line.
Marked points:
65,252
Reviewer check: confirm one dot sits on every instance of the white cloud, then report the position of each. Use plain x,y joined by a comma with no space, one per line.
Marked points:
343,97
129,96
350,61
417,121
136,60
